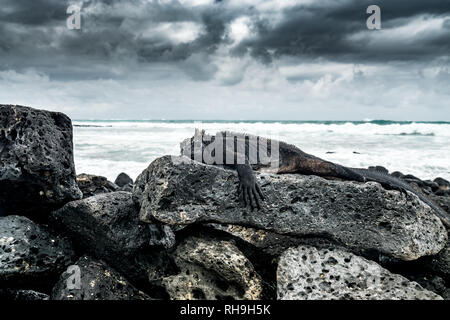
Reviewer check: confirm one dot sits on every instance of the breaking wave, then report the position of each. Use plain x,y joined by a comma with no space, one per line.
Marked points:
108,147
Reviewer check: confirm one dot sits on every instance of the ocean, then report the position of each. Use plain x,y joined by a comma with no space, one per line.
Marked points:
109,147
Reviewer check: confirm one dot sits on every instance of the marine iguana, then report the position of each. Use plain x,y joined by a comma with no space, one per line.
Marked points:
236,154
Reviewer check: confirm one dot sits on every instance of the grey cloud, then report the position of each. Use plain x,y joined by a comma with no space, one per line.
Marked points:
33,12
33,33
322,30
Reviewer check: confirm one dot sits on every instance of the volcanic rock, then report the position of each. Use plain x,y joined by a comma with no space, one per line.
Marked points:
37,172
308,273
361,216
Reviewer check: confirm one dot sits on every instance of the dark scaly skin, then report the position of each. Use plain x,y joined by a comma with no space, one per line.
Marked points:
293,160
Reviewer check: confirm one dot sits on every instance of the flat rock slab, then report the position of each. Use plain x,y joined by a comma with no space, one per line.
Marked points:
37,170
178,191
91,279
308,273
29,254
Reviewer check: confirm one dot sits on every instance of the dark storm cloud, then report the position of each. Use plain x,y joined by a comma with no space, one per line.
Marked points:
33,33
323,29
32,12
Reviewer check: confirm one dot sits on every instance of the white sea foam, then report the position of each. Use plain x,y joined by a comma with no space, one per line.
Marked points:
110,147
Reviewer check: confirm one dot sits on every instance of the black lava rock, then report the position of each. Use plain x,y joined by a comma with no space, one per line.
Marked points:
442,182
91,185
295,204
22,295
30,256
37,172
94,280
107,227
106,224
123,179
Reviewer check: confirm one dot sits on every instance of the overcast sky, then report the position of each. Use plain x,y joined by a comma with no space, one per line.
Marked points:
229,59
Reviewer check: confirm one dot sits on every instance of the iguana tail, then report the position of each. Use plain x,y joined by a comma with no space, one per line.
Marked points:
392,182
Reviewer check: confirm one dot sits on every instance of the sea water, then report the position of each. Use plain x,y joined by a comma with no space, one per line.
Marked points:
109,147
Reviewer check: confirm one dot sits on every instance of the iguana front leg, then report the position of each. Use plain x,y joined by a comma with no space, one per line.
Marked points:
248,187
228,157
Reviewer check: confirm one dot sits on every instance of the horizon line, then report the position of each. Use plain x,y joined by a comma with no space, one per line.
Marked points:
262,120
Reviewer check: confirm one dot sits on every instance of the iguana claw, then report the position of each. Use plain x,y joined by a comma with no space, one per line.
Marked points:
248,187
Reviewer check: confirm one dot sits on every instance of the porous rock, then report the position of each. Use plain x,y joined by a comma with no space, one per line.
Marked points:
268,242
91,279
105,224
212,270
161,235
92,185
361,216
107,227
440,263
22,295
29,254
37,171
430,282
308,273
442,201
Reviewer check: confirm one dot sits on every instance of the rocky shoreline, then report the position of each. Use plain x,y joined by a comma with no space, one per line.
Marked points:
180,232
